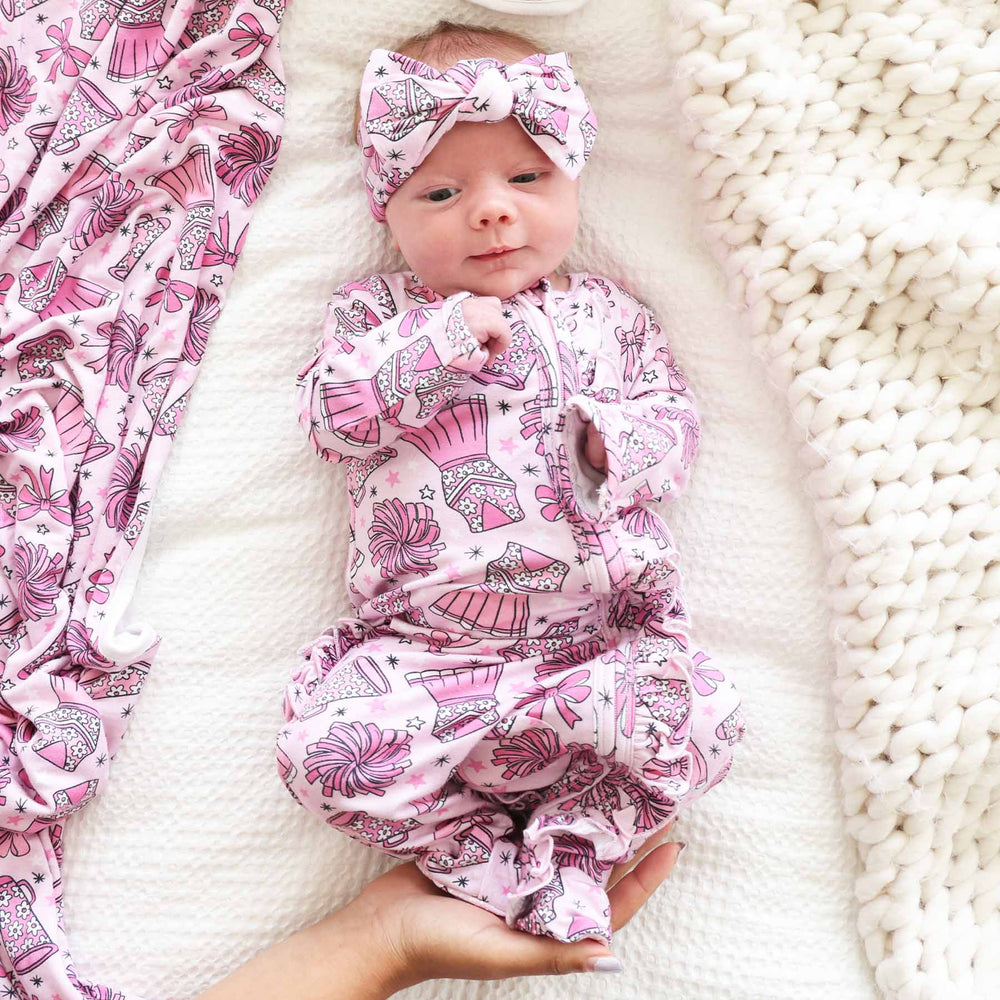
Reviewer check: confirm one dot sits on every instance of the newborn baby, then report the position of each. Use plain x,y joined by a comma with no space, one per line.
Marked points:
516,703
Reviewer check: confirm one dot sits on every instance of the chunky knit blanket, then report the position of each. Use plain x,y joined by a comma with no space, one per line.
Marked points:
847,155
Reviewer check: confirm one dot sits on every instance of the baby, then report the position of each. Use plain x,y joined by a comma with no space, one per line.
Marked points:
517,703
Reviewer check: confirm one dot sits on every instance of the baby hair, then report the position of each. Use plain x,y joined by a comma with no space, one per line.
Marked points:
448,41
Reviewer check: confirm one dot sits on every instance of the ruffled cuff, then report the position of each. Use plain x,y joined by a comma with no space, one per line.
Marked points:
633,450
587,481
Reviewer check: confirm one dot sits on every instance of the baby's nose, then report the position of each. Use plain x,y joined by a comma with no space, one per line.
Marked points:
493,208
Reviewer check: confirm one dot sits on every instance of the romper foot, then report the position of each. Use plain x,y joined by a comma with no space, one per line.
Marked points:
572,904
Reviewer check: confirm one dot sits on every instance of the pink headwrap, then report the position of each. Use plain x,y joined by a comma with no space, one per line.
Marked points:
406,106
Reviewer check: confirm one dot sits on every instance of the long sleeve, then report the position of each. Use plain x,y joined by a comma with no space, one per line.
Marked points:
650,432
377,372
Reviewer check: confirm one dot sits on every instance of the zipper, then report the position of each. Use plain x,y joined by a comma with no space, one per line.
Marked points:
596,570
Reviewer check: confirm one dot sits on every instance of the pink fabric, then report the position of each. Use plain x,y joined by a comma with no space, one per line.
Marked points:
406,106
135,137
516,701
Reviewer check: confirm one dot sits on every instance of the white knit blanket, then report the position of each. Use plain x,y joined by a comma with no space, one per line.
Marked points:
849,156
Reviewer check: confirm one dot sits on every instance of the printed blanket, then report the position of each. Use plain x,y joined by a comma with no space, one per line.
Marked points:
135,137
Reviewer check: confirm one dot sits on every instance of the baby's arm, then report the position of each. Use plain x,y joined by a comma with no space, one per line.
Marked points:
376,373
651,435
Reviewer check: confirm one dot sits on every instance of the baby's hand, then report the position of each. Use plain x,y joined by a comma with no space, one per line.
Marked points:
594,448
484,318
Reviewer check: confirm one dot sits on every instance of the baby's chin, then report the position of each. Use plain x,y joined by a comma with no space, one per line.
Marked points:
503,284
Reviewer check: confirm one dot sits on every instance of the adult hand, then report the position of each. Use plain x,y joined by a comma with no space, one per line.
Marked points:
428,934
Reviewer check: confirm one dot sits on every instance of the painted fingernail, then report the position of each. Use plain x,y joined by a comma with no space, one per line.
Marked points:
604,964
680,849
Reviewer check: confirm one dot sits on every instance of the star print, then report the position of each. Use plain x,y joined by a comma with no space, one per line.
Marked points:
217,280
394,154
571,158
164,82
426,493
503,405
530,470
392,660
507,445
415,723
649,376
714,750
475,552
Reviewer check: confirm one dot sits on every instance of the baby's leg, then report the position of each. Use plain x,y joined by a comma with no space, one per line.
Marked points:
675,720
364,750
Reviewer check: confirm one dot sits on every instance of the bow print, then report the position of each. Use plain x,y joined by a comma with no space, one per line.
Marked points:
182,119
38,496
630,342
217,247
172,293
250,29
69,59
571,688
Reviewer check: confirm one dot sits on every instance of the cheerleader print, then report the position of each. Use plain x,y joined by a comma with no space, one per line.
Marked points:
516,702
110,281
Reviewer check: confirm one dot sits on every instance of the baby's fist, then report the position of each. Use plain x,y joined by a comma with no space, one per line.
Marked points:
485,320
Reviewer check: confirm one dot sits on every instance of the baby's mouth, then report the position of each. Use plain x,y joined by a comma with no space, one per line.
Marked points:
494,252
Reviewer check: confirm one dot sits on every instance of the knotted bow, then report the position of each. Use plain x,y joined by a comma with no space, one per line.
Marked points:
407,106
69,59
571,688
37,496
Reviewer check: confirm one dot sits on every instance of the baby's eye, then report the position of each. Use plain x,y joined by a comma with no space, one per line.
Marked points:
441,194
525,178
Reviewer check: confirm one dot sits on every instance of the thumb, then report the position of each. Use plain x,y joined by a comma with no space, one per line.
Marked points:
546,956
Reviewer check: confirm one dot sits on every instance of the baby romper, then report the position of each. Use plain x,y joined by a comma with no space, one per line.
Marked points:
516,703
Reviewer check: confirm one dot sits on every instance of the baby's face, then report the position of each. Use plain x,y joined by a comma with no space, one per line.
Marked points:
484,186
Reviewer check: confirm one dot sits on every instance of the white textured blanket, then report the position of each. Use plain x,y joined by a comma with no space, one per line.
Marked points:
197,857
849,156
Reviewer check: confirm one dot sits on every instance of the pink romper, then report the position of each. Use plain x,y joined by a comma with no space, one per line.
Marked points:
516,702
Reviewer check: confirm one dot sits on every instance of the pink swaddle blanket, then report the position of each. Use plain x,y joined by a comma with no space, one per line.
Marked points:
135,137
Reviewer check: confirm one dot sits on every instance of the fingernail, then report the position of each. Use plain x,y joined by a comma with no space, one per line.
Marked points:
680,849
604,964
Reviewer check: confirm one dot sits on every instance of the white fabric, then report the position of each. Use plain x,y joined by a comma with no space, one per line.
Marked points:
848,154
196,857
531,6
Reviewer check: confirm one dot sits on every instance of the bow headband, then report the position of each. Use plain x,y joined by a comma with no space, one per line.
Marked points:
407,106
